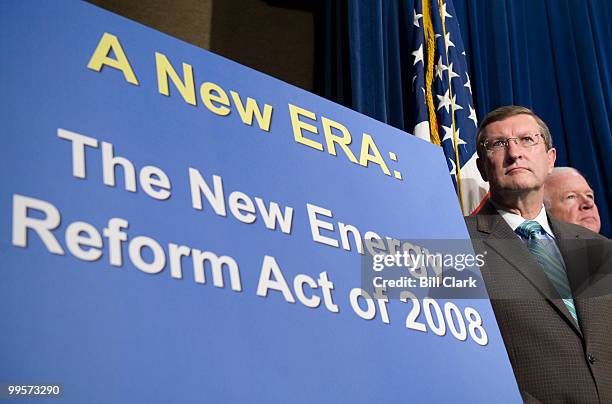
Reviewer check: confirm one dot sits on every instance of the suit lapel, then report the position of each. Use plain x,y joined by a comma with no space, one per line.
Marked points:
506,243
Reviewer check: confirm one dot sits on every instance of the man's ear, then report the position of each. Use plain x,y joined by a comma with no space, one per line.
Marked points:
483,173
552,157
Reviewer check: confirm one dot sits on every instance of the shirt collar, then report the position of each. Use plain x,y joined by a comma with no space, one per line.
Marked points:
515,220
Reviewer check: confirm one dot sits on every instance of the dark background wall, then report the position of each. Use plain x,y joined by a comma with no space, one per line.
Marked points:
278,41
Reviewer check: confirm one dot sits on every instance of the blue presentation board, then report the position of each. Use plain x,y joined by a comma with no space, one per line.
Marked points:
176,227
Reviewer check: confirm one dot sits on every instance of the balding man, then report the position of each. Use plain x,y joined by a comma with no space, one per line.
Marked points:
568,197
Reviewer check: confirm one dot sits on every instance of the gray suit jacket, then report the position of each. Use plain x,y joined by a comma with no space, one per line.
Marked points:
554,360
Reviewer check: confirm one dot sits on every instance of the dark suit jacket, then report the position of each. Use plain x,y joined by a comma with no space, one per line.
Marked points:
554,361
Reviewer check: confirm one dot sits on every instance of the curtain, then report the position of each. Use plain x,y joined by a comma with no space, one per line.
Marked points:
553,56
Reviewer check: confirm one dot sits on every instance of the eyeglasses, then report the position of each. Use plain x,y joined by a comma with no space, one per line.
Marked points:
502,143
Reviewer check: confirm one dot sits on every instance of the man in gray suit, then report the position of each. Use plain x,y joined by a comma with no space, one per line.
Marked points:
549,281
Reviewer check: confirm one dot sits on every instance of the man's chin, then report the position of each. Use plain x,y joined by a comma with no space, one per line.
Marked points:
519,187
591,224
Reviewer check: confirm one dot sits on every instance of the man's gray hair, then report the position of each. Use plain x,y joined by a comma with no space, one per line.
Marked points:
559,171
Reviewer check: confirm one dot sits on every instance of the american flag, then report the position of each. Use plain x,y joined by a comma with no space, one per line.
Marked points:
445,113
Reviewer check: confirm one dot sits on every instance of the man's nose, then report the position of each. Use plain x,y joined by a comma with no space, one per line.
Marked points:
587,203
514,150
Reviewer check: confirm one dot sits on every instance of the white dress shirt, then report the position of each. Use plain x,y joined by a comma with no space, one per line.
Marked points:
515,220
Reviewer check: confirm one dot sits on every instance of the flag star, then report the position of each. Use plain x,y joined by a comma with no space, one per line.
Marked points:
416,19
423,92
440,67
467,83
418,55
451,73
456,107
444,101
473,115
463,53
447,41
436,36
413,79
459,140
454,170
444,13
448,135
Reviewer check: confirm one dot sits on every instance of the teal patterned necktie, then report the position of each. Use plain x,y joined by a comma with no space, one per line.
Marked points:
545,250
